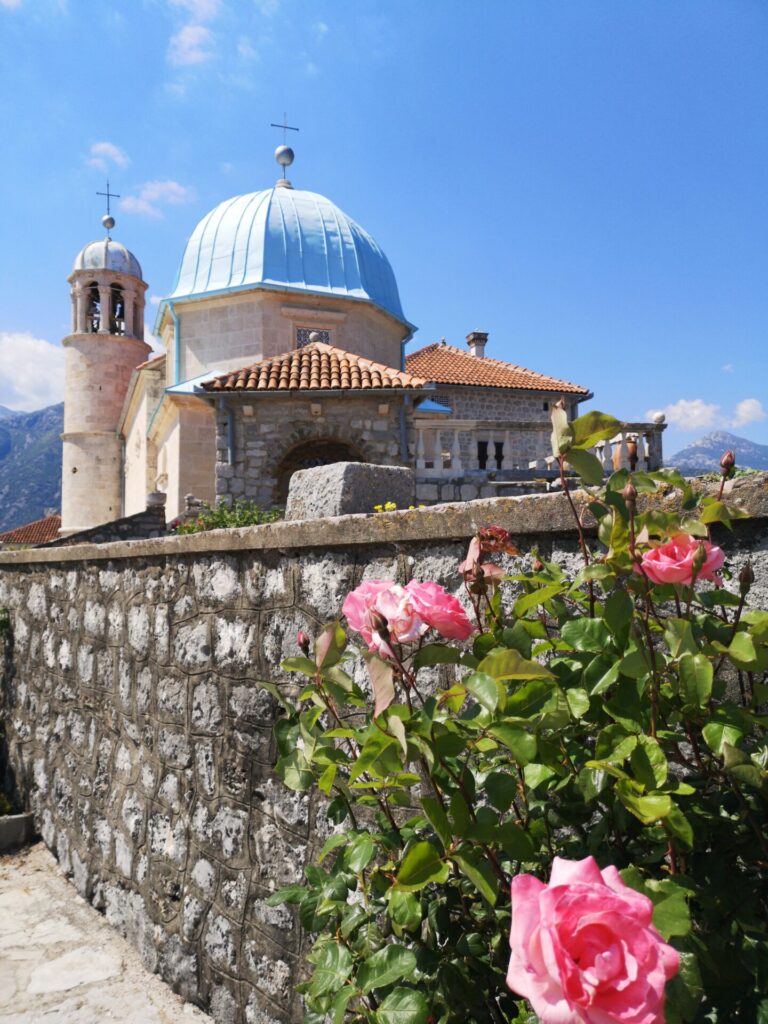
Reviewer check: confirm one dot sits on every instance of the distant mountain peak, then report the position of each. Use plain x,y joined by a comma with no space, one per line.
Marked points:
704,454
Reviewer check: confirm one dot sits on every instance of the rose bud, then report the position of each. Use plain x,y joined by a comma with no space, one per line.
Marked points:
629,494
728,463
746,578
537,565
699,558
303,641
378,624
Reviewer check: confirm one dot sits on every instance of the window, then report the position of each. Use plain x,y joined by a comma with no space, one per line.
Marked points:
482,454
545,406
92,309
303,333
117,319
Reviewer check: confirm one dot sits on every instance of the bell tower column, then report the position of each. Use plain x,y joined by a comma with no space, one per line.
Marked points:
100,355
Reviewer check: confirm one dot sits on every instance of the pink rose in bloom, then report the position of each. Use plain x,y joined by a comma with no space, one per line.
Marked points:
376,603
584,950
440,610
673,562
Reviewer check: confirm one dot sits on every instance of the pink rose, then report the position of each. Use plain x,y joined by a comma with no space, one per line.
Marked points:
673,562
382,611
584,950
440,610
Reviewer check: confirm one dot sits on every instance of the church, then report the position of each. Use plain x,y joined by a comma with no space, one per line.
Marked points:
283,347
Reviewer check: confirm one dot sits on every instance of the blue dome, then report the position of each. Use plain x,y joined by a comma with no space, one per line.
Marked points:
286,238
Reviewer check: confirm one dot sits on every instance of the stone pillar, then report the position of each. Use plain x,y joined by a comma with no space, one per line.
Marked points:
105,302
128,301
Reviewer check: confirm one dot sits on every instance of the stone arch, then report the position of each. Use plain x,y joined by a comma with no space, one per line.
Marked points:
310,451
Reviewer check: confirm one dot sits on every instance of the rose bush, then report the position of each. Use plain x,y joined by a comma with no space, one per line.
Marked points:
592,742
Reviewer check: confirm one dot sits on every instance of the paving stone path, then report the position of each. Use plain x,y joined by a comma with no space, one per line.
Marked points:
61,963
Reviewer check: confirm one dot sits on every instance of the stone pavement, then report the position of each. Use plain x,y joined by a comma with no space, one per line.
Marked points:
61,963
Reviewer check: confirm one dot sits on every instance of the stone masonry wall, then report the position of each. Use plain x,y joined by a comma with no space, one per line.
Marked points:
139,734
275,426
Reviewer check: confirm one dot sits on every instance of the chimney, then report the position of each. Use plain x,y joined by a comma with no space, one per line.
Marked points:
476,341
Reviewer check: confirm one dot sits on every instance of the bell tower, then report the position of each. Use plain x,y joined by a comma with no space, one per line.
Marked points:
105,346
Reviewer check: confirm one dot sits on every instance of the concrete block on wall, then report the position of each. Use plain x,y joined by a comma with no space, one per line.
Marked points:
345,488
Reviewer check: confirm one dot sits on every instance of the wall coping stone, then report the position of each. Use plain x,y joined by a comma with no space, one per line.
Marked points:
522,515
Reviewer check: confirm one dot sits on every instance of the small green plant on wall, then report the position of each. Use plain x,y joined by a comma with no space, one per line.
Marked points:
225,516
571,831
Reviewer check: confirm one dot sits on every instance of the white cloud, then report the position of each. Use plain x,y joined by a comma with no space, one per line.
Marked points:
311,69
155,300
191,45
31,371
727,367
102,154
246,49
10,3
200,10
268,7
321,29
154,194
749,410
689,413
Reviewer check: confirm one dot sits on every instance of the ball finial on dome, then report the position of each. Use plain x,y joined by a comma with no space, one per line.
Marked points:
284,156
108,221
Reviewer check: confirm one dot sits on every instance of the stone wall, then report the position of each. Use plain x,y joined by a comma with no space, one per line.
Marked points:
266,428
141,739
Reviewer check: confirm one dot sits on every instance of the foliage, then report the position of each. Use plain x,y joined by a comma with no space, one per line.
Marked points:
602,714
239,513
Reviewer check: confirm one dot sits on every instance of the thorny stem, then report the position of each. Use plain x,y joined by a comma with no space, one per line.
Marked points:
580,528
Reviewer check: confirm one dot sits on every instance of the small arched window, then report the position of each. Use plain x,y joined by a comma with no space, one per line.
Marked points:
117,320
92,309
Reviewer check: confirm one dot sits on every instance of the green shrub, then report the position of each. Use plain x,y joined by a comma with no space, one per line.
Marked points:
239,513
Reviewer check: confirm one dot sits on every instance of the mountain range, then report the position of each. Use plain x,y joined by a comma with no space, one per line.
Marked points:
703,456
30,464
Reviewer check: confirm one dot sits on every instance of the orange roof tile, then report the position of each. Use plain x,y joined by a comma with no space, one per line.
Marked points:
315,367
445,364
39,532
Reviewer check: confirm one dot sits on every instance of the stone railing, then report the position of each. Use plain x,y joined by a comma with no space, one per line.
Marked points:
507,450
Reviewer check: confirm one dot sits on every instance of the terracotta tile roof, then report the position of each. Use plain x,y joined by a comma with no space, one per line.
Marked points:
315,367
39,532
445,364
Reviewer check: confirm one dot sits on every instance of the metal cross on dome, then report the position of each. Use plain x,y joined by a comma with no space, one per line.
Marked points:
109,195
285,126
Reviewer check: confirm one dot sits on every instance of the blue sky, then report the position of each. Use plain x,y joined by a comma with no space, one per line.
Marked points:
583,179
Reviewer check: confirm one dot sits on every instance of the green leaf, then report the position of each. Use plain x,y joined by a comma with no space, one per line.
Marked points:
649,808
382,681
587,465
685,991
422,865
648,763
330,645
480,874
288,894
503,663
562,434
438,819
299,664
536,597
515,842
586,634
678,825
327,779
614,744
578,702
714,511
593,427
333,965
501,789
741,650
403,1006
389,964
680,638
695,679
436,654
359,853
521,743
332,843
618,611
483,688
404,910
340,1003
724,728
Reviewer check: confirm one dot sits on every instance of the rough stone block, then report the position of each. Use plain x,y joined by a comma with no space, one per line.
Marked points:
345,488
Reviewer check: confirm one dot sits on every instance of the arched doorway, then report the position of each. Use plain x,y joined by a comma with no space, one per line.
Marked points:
309,454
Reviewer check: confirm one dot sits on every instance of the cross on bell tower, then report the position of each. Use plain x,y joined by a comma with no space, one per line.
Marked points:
284,154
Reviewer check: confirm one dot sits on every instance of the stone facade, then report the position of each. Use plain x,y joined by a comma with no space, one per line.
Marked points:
141,739
257,435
